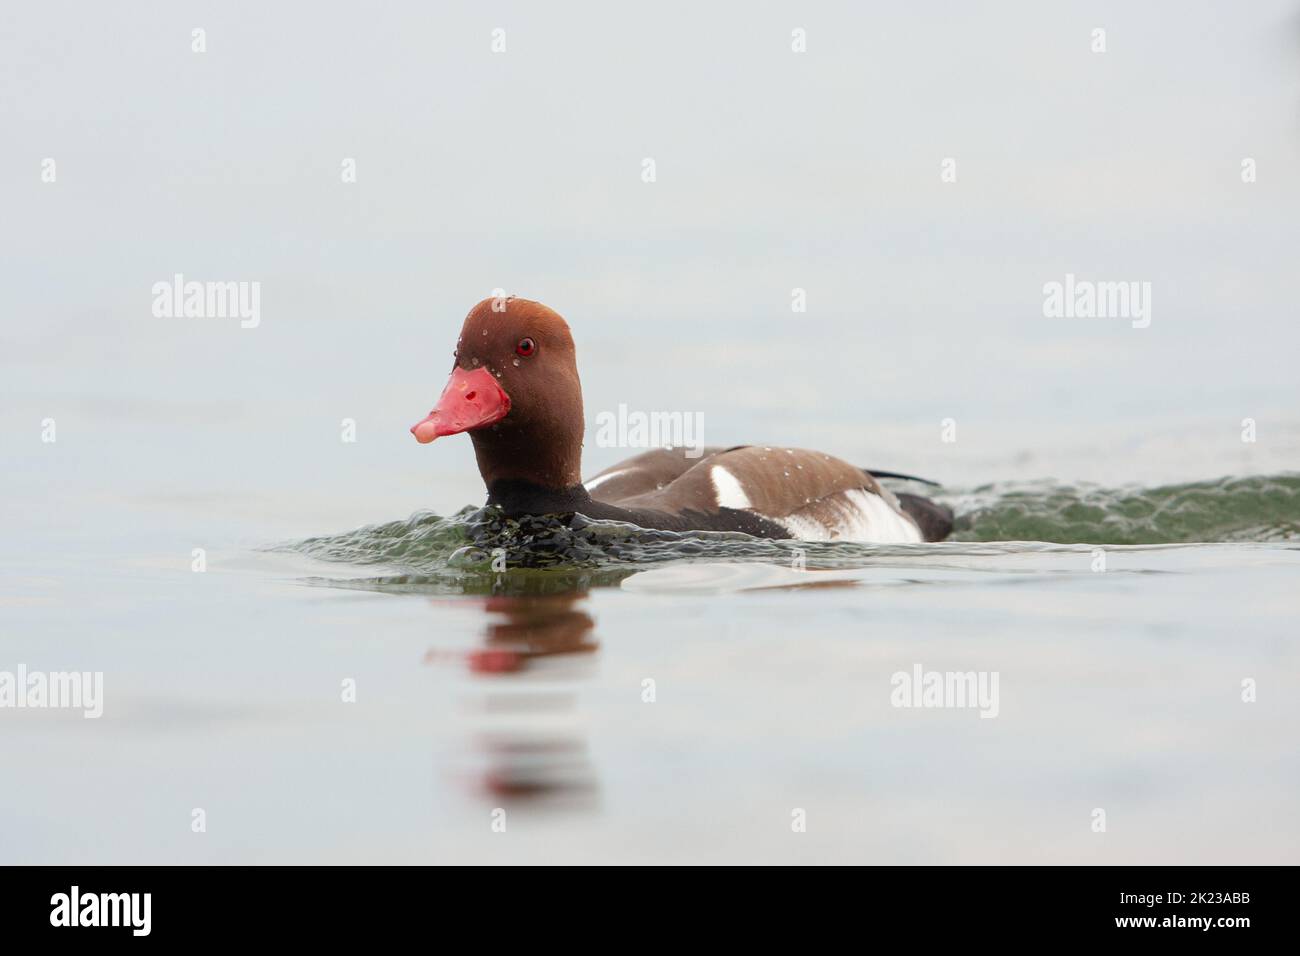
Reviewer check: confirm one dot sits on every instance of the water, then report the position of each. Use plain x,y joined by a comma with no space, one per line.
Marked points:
430,548
480,691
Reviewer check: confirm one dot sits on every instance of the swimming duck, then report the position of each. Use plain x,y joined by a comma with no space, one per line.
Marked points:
514,389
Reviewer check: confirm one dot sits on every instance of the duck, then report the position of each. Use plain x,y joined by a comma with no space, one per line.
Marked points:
514,389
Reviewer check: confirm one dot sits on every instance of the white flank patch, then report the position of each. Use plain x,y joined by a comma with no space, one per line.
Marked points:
805,529
727,488
859,516
601,479
879,522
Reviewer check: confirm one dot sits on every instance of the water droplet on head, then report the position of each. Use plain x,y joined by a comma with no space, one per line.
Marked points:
515,363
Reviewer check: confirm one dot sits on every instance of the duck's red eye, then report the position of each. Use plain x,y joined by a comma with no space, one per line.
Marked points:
526,347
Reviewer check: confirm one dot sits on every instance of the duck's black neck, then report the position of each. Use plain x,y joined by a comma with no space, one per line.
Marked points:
516,497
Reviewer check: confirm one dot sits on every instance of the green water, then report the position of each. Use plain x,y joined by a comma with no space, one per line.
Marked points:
456,553
1261,508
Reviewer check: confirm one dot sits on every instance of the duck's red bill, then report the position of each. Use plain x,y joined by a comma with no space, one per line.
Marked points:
471,400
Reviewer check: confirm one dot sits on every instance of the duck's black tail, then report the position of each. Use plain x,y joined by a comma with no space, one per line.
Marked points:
874,473
934,519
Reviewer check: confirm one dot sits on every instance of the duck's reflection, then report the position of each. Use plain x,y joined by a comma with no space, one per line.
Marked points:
531,744
524,632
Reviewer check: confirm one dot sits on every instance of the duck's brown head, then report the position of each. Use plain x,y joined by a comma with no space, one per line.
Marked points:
514,387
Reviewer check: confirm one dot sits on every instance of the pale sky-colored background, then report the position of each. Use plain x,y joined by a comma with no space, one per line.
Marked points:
522,170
